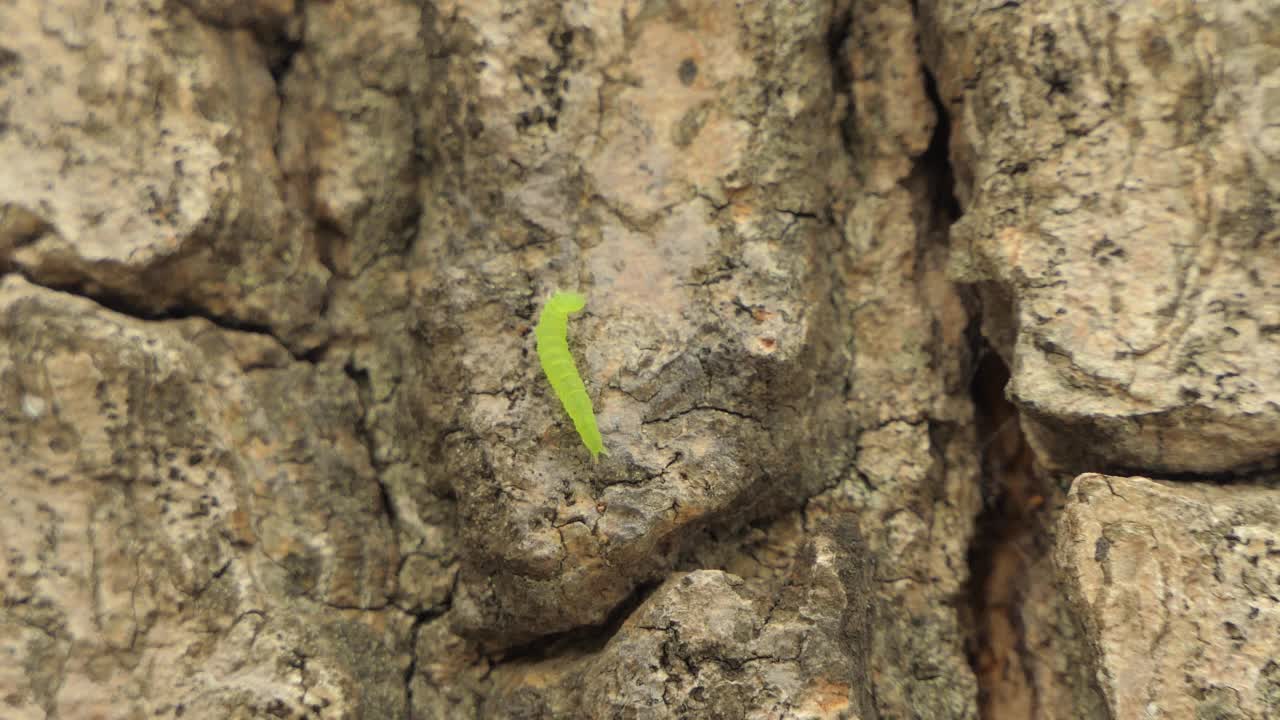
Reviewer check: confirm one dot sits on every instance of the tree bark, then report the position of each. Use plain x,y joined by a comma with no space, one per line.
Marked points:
893,308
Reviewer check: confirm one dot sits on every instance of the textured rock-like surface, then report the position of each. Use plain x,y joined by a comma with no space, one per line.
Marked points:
716,341
176,534
141,162
1178,586
707,645
914,484
365,502
746,314
631,154
391,189
1118,165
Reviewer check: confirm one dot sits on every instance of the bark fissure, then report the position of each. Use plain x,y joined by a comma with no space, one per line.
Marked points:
1006,529
586,639
123,306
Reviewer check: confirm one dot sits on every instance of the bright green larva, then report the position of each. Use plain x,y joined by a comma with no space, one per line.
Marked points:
557,363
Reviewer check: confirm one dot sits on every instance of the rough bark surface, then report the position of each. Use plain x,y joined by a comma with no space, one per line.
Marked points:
1116,164
1119,167
274,441
141,147
155,560
1179,585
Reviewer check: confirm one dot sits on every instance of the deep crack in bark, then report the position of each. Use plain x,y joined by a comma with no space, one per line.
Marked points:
1009,538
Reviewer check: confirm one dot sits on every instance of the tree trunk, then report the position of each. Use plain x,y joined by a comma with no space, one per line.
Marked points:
935,347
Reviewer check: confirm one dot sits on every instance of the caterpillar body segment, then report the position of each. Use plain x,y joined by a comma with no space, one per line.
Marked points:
561,372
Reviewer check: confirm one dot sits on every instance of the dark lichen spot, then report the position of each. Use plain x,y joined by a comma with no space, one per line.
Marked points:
1157,53
59,444
1101,549
301,573
528,118
1269,685
689,125
1106,250
688,72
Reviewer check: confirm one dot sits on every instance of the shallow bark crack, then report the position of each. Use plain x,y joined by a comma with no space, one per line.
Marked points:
698,408
589,639
120,305
419,619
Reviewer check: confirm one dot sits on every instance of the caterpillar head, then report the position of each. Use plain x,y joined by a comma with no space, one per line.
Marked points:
569,302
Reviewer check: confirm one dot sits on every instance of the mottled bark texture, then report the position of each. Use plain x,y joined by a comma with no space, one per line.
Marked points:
1178,584
1119,167
274,441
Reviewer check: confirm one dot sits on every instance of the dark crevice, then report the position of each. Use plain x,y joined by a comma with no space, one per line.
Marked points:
331,242
841,75
410,671
315,355
419,619
1017,621
1009,533
1264,473
280,55
364,391
936,158
1009,537
388,507
121,304
590,639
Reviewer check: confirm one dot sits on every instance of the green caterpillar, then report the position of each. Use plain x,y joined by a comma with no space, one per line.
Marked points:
557,363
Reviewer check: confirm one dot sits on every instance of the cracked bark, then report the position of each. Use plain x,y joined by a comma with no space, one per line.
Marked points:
278,444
